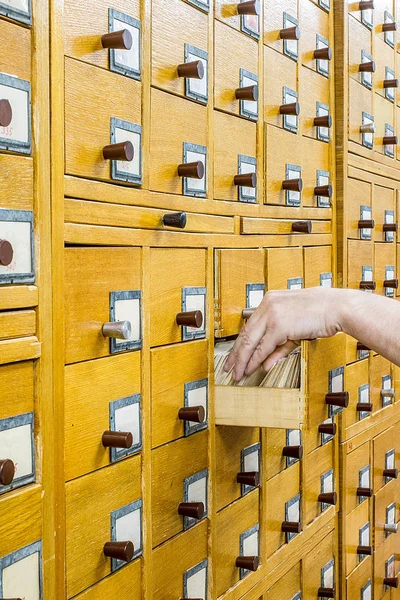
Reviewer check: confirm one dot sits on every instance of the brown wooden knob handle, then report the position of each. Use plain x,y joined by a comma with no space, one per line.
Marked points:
391,582
323,53
390,140
293,185
302,226
7,471
249,478
119,40
250,563
390,83
6,253
326,592
177,220
196,414
366,224
194,510
293,452
191,70
324,190
323,121
364,492
362,347
367,67
366,5
328,498
290,33
194,170
365,407
121,151
5,113
246,179
119,550
291,527
327,428
391,283
337,399
389,27
293,108
252,7
249,92
367,550
368,285
117,439
390,227
391,473
193,318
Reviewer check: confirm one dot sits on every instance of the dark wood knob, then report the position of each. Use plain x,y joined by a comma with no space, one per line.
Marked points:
367,550
293,108
323,53
366,224
293,185
6,253
194,510
391,473
302,226
117,439
252,7
177,220
362,347
390,140
389,27
324,190
291,527
390,227
391,283
191,70
337,399
193,318
250,563
247,93
293,452
119,550
390,83
326,592
5,113
249,478
328,498
122,151
194,170
327,428
290,33
197,414
391,582
324,121
364,492
365,406
366,5
119,40
7,471
246,179
367,67
368,285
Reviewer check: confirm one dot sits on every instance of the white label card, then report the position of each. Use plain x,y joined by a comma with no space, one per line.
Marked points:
391,514
128,58
196,584
18,233
368,137
22,578
250,545
127,418
131,167
250,106
197,491
365,477
248,168
18,130
192,183
19,5
337,383
364,535
251,461
290,120
328,483
328,578
197,397
16,445
294,437
255,298
129,528
129,310
198,86
196,302
366,592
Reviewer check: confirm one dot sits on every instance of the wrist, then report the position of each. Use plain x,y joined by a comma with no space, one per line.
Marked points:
347,303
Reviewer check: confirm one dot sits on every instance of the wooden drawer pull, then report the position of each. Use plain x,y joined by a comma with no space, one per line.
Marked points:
324,190
251,7
327,428
389,27
366,5
362,347
337,399
119,550
366,224
117,439
390,227
5,113
194,510
6,253
368,128
195,170
391,527
324,121
293,108
290,33
177,220
328,498
196,414
191,70
366,550
246,179
119,40
291,527
368,285
390,140
326,593
193,318
391,283
249,478
7,471
247,93
367,67
364,492
122,151
293,452
391,582
391,473
390,83
365,407
293,185
323,53
250,563
302,226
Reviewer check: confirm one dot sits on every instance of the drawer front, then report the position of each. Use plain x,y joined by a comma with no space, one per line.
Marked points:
276,18
227,12
360,263
359,208
315,102
385,457
187,573
385,127
384,566
382,393
314,35
100,288
174,141
283,161
385,60
118,510
384,212
320,568
15,55
280,77
359,532
284,268
116,118
318,266
385,269
360,40
276,440
358,386
358,477
360,583
93,408
386,513
179,380
360,113
316,172
127,583
289,586
180,475
320,478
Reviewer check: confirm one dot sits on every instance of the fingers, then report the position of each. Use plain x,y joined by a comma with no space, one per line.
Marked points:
244,347
265,347
279,353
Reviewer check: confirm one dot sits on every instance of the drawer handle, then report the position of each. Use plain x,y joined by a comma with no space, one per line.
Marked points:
5,113
195,170
390,83
367,67
391,473
247,312
293,108
362,347
391,527
327,428
117,439
119,40
324,190
251,478
328,498
388,393
6,253
390,140
249,92
391,283
7,471
251,7
119,550
391,582
250,563
291,527
196,414
326,593
389,27
390,227
365,407
290,33
191,70
368,285
366,550
368,128
323,53
337,399
323,121
293,185
122,151
366,5
193,318
177,219
302,226
364,492
293,452
120,330
194,510
246,179
366,224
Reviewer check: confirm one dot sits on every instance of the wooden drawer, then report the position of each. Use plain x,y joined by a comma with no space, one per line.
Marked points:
360,112
274,21
127,583
314,30
357,470
283,157
100,288
315,102
179,380
320,568
359,532
386,513
360,40
384,211
236,56
360,263
182,291
360,583
227,12
118,510
318,266
357,384
92,407
178,32
179,474
385,269
385,59
384,111
316,172
175,140
237,535
384,566
280,75
289,586
285,506
187,573
385,457
115,118
380,381
276,440
239,284
380,15
237,451
321,477
284,268
359,208
234,154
